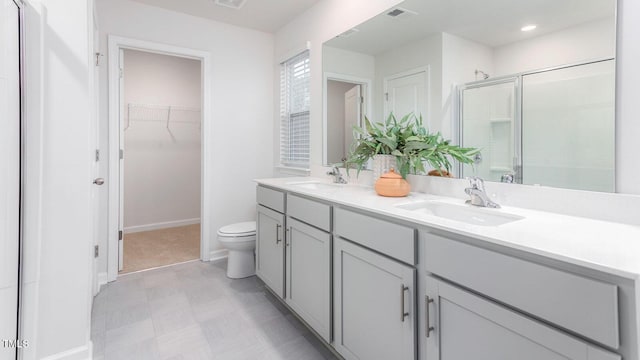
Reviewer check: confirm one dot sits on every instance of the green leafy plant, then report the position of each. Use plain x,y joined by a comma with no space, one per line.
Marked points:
410,142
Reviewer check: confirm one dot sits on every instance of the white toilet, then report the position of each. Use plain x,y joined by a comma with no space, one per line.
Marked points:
240,240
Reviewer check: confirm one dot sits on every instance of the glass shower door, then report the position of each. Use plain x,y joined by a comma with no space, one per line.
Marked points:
9,177
489,122
568,120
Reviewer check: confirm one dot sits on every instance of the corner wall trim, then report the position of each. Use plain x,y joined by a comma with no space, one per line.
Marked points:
79,353
218,255
161,225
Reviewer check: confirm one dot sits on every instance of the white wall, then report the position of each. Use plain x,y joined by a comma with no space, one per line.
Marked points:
589,41
460,59
242,98
325,20
350,63
58,234
161,166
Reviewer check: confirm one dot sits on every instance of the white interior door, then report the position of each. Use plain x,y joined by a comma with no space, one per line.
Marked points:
352,114
9,176
406,93
95,129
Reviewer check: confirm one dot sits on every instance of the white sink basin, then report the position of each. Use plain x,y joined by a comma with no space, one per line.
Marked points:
463,213
315,185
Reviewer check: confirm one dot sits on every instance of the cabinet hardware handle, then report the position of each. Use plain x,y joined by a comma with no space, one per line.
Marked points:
428,329
278,239
287,239
403,313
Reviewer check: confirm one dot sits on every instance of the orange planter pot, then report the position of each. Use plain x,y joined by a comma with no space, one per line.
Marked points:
392,184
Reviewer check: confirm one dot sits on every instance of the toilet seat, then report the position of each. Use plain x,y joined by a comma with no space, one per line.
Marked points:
238,230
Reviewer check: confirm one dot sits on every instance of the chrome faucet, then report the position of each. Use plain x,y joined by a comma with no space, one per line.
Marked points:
478,195
337,176
508,178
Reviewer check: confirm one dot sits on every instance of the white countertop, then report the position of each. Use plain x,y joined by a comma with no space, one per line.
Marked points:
600,245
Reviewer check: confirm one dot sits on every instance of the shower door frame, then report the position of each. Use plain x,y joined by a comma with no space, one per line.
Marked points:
517,117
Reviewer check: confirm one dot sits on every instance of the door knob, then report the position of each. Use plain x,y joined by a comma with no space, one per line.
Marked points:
98,181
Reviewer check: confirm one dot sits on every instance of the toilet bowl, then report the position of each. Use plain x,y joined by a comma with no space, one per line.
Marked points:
240,240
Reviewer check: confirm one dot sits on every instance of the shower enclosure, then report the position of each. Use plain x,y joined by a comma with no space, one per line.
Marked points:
553,127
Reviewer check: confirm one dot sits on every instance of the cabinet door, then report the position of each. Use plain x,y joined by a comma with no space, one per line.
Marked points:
308,274
270,249
374,300
466,326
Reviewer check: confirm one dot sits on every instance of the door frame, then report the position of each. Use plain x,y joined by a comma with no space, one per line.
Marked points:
366,109
117,43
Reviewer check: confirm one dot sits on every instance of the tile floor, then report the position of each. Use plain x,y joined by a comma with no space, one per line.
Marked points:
149,249
193,311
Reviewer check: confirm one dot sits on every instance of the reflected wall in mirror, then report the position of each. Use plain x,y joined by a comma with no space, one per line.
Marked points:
457,44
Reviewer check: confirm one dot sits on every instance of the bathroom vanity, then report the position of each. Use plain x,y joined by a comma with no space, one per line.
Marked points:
429,277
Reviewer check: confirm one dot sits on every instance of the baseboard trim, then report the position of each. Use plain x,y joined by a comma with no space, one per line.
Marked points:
161,225
218,255
103,279
80,353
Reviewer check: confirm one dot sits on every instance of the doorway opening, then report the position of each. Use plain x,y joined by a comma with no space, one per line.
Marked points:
159,126
161,162
346,105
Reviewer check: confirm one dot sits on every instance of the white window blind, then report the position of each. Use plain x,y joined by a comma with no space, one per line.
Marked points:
294,111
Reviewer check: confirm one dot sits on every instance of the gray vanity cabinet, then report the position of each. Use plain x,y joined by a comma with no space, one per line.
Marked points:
270,249
374,294
374,305
270,222
460,325
308,275
308,262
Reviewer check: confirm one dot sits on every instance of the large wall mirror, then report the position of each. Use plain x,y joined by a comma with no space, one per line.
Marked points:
531,83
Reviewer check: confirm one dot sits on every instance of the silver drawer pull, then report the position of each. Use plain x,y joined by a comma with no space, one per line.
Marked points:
428,329
403,313
278,239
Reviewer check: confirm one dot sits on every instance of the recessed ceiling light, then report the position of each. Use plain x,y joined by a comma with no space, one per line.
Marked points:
234,4
528,27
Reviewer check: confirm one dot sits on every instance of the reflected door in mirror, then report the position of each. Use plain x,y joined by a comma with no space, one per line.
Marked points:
344,110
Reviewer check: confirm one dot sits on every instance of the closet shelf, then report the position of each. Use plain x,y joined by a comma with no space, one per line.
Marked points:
166,114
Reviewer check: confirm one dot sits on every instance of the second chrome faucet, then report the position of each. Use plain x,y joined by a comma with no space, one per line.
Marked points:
478,195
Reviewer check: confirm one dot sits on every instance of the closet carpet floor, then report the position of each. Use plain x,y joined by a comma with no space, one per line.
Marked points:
150,249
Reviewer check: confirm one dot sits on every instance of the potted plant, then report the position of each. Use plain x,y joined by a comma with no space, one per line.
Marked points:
410,143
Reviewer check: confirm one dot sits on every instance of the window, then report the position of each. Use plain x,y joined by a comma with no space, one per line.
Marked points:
294,111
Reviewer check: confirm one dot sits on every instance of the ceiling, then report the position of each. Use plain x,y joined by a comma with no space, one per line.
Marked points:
490,22
262,15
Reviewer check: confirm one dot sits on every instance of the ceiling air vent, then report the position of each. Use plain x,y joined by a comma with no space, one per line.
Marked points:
348,33
399,13
234,4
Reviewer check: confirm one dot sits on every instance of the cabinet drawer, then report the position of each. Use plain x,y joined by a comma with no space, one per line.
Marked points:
585,306
309,211
467,326
270,198
391,239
